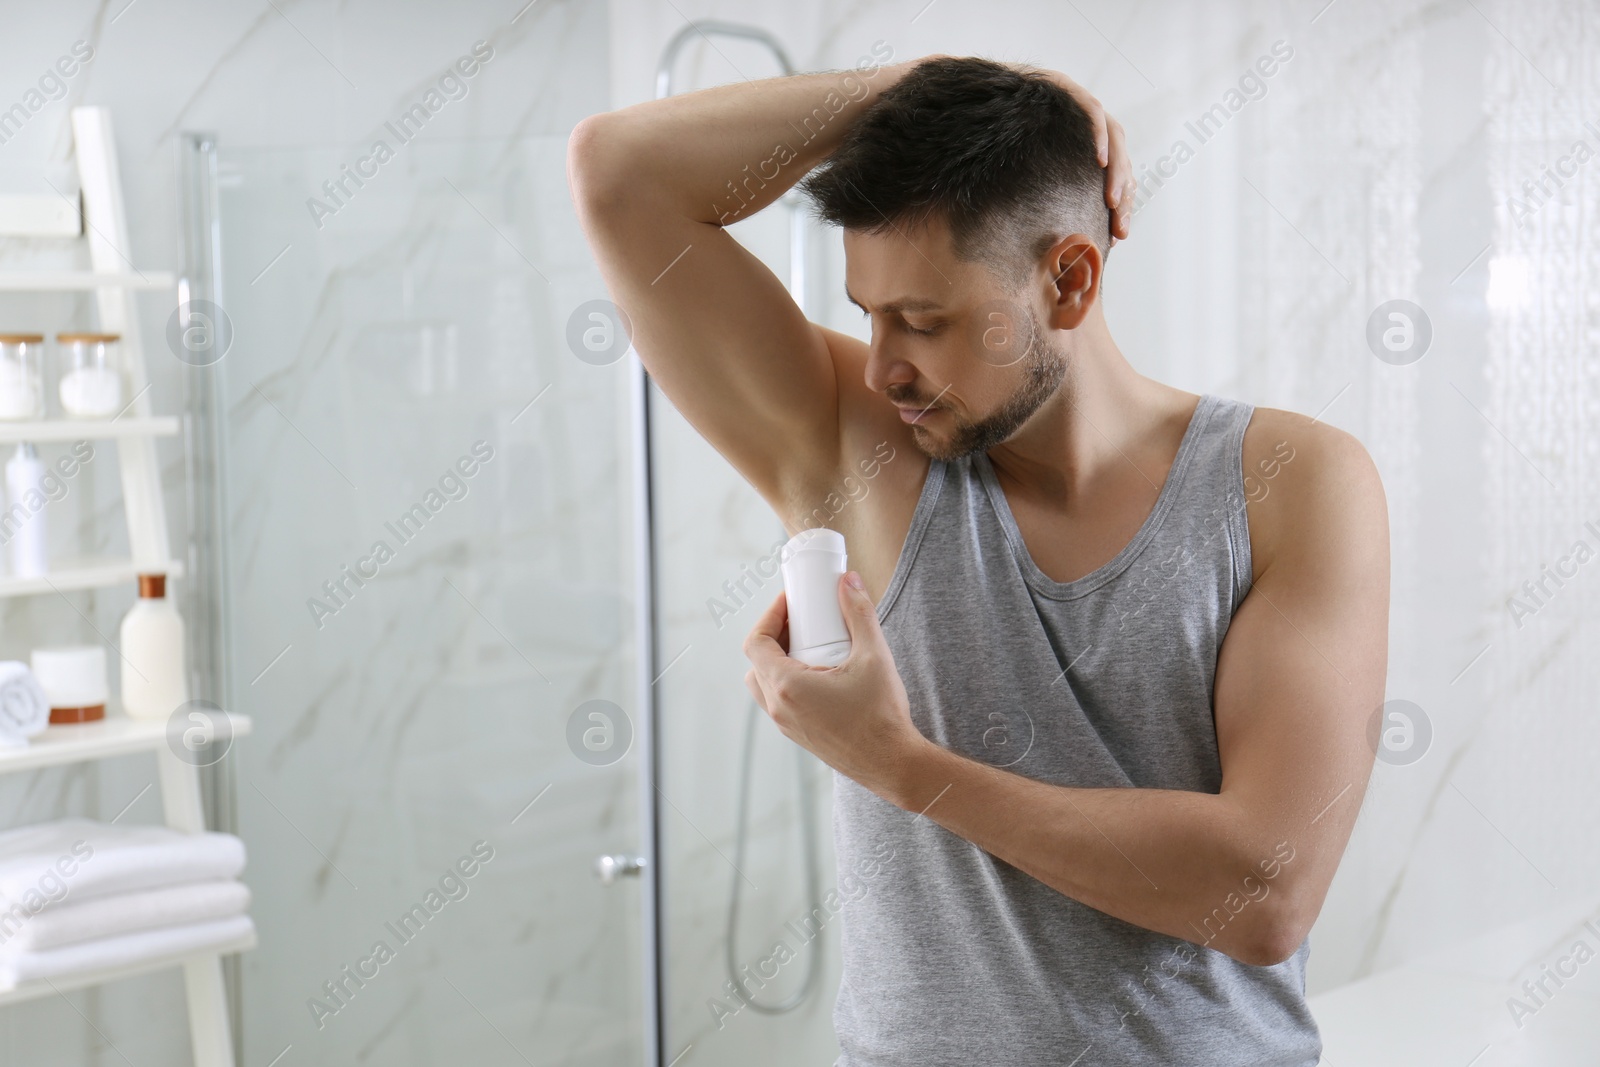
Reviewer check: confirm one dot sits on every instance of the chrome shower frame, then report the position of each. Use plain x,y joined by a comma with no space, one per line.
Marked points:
645,613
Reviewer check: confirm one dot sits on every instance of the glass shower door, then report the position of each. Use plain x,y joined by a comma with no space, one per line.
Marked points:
431,573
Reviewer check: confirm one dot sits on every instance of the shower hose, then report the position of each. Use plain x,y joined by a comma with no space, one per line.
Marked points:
808,849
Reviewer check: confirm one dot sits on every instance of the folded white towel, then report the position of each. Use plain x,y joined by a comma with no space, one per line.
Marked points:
169,942
79,859
24,709
124,913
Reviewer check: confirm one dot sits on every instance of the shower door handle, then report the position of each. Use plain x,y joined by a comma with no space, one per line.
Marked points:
609,868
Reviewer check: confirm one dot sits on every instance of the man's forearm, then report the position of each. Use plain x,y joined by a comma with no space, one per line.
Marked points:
1191,865
722,154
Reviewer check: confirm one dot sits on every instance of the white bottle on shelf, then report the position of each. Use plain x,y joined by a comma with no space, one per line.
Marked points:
154,678
25,549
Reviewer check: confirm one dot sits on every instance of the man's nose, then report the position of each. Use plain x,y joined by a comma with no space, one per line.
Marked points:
884,367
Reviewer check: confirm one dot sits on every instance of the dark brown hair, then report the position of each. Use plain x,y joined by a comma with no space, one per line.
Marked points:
1006,156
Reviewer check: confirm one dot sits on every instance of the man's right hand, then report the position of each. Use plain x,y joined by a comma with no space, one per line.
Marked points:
1112,145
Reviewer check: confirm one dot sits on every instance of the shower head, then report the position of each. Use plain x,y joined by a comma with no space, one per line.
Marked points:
704,29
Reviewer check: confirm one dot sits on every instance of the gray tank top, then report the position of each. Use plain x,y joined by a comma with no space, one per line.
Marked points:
954,958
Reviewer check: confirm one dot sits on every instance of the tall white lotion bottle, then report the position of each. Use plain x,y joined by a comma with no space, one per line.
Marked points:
25,550
154,676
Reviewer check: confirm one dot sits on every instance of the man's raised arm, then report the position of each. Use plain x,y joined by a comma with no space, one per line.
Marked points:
654,185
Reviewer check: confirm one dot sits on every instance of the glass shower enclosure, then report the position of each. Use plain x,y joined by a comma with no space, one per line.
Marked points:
429,571
428,493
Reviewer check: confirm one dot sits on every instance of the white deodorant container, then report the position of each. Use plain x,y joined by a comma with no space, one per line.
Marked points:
812,563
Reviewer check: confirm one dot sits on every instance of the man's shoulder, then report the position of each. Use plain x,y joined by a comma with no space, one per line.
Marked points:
1310,489
1274,431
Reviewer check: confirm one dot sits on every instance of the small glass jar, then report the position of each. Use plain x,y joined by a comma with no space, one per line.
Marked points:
91,374
21,376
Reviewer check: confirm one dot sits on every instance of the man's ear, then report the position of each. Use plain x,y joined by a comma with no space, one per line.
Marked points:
1074,263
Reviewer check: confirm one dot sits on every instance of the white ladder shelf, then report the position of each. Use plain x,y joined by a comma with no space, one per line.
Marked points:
104,225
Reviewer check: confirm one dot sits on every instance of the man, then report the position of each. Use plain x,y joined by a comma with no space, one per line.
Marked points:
1103,731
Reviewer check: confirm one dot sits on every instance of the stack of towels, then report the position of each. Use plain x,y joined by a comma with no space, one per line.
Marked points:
79,896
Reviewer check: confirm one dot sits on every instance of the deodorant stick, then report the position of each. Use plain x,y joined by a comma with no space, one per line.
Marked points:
813,562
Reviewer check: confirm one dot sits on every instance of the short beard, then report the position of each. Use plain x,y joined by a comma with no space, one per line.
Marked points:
1044,372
